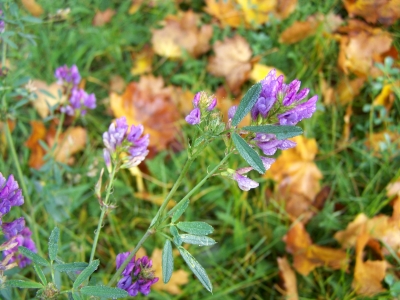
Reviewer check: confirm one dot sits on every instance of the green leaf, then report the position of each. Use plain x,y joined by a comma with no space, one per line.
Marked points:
104,291
175,234
197,228
23,284
197,240
181,207
71,267
196,268
281,131
76,296
248,153
33,256
40,273
247,103
86,273
167,262
53,243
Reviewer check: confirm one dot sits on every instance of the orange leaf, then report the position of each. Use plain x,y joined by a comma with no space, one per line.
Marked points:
101,18
257,12
226,11
37,152
178,278
285,8
182,32
289,279
307,256
383,11
385,97
33,7
367,274
349,89
43,101
149,103
232,61
299,31
381,140
70,142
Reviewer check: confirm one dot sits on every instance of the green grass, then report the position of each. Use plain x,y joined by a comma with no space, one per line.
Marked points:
248,226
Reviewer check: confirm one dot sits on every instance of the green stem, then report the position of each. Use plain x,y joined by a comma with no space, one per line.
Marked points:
23,185
129,258
58,133
104,209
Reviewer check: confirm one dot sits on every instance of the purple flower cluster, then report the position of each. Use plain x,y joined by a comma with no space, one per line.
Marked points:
2,23
287,96
118,140
269,144
15,231
201,103
78,99
138,276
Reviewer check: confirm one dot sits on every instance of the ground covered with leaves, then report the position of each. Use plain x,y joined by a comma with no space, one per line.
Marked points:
325,221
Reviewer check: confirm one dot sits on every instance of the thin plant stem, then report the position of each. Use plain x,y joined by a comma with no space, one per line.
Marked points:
23,185
152,230
104,209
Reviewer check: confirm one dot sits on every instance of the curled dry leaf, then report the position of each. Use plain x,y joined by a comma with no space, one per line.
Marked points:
43,101
232,60
101,18
178,278
70,142
382,11
33,7
361,47
369,274
182,32
289,279
307,257
148,102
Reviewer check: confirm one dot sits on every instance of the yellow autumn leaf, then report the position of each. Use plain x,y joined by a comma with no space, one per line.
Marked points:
259,72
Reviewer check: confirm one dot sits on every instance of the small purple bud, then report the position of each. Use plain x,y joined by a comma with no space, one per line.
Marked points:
194,117
107,160
232,112
212,104
244,183
196,99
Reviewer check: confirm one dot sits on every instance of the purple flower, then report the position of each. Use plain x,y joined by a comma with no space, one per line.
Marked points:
10,194
269,144
23,239
267,162
196,99
117,139
212,105
302,111
68,75
194,116
244,183
79,100
232,111
2,26
13,228
138,276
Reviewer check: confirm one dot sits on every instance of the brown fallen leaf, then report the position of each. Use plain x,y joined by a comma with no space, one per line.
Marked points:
43,101
382,11
178,278
70,142
181,32
299,31
117,84
285,8
369,274
101,18
289,278
142,61
361,47
381,140
307,256
32,7
348,89
148,102
232,60
257,12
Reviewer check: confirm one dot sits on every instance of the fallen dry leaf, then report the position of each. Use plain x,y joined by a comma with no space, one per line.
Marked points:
347,124
101,18
382,11
182,32
232,60
142,61
361,47
70,142
307,257
259,72
33,7
299,31
43,101
178,278
289,279
257,12
348,89
148,102
368,275
381,140
3,140
285,8
117,84
385,97
226,11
